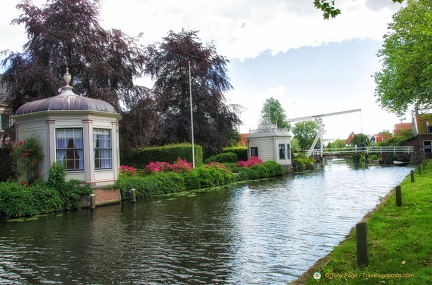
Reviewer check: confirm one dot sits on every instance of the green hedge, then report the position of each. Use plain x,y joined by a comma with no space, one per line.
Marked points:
139,158
202,177
226,157
21,200
155,184
265,170
18,200
240,151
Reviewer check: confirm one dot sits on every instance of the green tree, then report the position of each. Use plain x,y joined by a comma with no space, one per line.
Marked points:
214,119
272,110
305,132
103,63
406,77
339,143
360,140
329,9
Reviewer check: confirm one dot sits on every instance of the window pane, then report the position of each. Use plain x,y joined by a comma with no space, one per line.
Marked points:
69,147
102,148
281,151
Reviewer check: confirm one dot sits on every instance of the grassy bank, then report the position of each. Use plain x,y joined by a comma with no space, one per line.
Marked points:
399,242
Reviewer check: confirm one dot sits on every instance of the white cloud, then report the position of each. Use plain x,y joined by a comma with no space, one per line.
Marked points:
245,29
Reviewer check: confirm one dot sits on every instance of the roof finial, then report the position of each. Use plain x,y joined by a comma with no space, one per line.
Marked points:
67,78
66,90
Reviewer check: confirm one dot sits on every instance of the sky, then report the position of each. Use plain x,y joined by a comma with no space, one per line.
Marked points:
277,48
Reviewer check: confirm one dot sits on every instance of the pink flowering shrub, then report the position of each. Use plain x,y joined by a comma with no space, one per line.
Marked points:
180,166
128,171
157,167
250,162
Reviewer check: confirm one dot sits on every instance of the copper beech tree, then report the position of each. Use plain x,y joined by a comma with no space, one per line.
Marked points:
104,65
168,64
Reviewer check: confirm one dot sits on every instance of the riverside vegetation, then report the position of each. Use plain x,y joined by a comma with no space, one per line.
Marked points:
23,199
399,242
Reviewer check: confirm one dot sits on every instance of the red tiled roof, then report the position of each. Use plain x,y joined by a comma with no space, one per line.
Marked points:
350,137
400,127
381,137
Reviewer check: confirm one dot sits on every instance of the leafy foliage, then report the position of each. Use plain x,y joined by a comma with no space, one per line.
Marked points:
223,157
29,155
272,110
19,200
302,162
168,153
359,140
168,65
240,151
339,143
327,6
397,140
305,132
406,77
70,192
262,170
329,9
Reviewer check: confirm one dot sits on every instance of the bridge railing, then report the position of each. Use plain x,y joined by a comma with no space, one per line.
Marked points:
365,150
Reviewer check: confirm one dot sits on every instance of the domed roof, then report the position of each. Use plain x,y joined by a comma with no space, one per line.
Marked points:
66,101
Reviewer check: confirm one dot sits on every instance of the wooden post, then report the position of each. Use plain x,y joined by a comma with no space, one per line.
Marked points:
412,175
362,248
419,169
398,196
133,195
92,201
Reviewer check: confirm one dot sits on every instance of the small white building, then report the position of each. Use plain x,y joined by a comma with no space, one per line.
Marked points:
80,131
270,143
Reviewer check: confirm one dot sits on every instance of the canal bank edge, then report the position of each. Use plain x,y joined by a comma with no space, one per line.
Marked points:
324,261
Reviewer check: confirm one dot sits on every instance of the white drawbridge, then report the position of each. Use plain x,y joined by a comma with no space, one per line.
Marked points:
320,133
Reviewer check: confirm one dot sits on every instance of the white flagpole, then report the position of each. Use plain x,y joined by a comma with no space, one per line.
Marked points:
191,114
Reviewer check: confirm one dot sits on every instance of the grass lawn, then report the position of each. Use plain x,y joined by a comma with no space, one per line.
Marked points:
399,242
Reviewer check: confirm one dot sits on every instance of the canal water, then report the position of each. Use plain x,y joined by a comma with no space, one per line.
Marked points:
266,232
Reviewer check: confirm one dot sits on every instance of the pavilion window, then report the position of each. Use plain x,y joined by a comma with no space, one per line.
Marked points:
102,149
281,151
254,151
69,147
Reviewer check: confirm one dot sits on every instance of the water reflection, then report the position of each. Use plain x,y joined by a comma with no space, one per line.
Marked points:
266,232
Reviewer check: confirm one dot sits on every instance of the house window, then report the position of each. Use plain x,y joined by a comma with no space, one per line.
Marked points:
254,151
69,147
281,151
429,129
102,148
427,146
288,151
